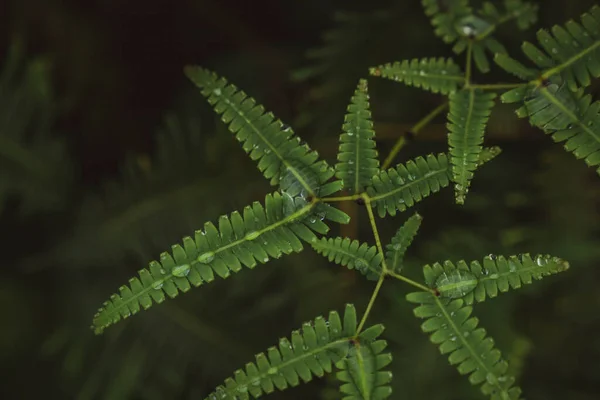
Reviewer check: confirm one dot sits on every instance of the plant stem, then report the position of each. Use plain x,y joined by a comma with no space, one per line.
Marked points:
370,305
423,122
468,64
341,198
384,268
410,282
498,86
367,200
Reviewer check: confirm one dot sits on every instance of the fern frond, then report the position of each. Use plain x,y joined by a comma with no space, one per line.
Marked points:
401,187
352,254
476,282
455,22
281,157
525,13
357,155
444,16
468,116
394,255
572,51
567,116
436,75
455,332
257,234
360,371
313,351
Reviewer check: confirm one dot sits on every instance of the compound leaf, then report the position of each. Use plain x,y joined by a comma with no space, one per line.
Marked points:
394,256
312,351
436,75
455,332
257,234
352,254
281,157
468,116
360,371
357,156
498,274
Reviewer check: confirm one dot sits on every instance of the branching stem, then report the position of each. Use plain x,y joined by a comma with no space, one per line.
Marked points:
363,320
416,128
410,282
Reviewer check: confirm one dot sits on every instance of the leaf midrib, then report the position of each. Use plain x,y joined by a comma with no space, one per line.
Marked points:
409,184
573,59
273,149
574,118
467,344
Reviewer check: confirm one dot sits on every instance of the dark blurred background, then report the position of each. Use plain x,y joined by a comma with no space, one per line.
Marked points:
108,155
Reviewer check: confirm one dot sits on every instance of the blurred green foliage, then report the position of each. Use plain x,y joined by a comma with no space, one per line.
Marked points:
100,80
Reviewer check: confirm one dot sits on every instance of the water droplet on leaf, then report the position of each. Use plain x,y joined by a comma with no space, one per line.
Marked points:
181,271
207,257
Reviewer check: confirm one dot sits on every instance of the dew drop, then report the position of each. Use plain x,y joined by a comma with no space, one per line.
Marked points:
272,371
207,257
554,50
181,271
217,91
252,235
539,261
157,285
466,334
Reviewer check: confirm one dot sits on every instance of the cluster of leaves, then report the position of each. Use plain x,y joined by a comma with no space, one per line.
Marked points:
295,214
552,96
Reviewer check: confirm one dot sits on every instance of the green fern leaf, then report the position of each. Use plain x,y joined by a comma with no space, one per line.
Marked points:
525,13
352,254
569,117
308,353
444,16
360,371
281,157
476,282
436,75
394,256
455,332
469,112
514,67
455,22
573,52
357,156
256,235
401,187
